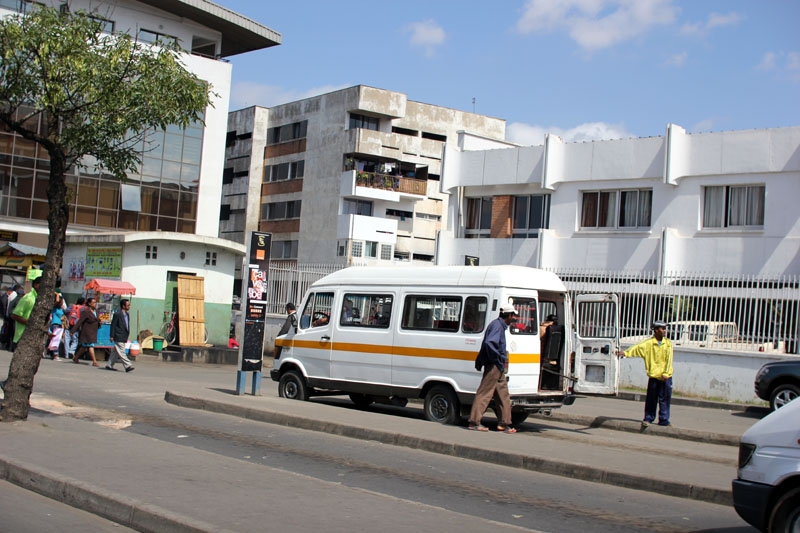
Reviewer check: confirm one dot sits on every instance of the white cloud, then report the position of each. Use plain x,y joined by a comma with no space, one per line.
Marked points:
714,20
704,125
532,135
717,20
787,63
677,60
767,62
427,35
596,24
246,94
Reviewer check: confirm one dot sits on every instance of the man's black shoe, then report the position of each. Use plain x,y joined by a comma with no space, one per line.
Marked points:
129,369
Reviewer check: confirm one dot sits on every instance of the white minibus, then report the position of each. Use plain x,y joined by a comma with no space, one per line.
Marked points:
390,334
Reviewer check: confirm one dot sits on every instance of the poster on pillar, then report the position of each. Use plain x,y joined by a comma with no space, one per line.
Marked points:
254,300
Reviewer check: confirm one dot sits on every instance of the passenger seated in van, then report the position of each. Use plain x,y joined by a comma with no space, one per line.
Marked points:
348,313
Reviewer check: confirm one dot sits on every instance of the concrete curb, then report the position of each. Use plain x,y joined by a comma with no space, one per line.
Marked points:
115,507
631,426
514,460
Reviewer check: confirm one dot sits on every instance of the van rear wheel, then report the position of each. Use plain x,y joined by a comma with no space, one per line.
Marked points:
292,386
441,405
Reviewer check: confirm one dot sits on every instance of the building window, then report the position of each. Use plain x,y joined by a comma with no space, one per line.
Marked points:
399,213
370,249
434,136
617,209
283,250
281,210
363,121
287,132
355,248
341,249
386,252
479,217
531,213
356,207
284,171
733,206
107,26
149,36
151,252
211,258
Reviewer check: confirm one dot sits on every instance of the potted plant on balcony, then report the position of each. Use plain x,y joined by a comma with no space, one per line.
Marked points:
362,177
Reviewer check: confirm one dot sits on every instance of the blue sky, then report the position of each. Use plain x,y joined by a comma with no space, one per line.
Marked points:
581,69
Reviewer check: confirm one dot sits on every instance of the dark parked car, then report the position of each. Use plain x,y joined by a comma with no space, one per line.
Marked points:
778,382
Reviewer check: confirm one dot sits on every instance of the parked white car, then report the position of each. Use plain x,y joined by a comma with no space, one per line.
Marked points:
766,493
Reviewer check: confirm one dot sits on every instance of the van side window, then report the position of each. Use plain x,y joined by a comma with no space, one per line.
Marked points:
440,313
366,310
527,322
474,314
317,311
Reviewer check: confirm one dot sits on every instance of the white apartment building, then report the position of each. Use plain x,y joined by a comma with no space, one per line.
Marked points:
724,202
179,183
347,176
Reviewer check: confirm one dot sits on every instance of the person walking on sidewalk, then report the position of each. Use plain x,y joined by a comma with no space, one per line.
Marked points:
657,354
493,359
88,325
22,311
73,315
120,331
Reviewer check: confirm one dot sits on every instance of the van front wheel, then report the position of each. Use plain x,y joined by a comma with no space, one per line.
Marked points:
292,386
441,405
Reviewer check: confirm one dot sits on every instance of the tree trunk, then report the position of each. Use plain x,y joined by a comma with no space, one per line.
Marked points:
29,351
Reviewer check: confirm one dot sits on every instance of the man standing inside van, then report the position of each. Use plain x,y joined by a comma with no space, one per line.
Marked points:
493,359
657,354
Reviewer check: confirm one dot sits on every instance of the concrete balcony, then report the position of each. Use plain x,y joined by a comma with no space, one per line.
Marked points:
363,228
394,146
376,186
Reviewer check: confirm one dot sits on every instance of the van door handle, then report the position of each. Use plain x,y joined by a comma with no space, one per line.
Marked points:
326,338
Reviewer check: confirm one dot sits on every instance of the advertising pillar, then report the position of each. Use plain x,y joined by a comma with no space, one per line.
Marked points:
254,305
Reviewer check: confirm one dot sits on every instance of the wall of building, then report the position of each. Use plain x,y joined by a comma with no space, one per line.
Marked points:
149,276
327,142
705,374
675,239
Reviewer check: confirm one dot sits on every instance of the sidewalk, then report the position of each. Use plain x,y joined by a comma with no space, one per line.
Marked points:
152,485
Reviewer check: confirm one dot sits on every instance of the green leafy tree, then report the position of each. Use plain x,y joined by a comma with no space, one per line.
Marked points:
82,96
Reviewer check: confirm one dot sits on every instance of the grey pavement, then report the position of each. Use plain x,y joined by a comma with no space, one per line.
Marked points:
154,488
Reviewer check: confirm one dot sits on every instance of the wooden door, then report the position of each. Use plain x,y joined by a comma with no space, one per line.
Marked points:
191,315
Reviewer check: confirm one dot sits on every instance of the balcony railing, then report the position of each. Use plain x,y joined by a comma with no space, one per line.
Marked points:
391,182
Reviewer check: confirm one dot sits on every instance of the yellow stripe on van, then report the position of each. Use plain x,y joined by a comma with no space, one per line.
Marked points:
462,355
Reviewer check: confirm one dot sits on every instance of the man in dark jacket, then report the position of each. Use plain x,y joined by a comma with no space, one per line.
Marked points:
288,324
120,331
493,359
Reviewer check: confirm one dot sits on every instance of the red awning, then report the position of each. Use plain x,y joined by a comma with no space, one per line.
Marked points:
110,286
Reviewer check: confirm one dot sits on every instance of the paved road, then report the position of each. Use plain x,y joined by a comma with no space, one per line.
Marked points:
449,488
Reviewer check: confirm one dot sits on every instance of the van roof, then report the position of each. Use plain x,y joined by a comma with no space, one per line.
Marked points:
462,276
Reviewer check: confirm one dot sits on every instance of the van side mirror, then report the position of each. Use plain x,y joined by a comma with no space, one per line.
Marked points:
305,321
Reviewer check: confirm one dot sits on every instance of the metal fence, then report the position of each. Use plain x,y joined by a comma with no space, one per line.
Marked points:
703,310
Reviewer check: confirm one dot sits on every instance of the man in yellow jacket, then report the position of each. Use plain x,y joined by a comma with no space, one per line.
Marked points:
657,354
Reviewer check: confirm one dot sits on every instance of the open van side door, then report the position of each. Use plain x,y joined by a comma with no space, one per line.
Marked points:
597,341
